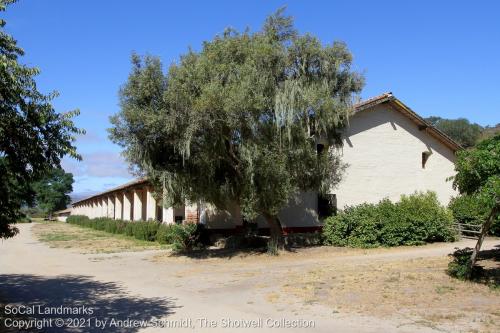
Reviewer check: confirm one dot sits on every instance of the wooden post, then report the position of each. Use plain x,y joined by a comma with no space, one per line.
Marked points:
484,230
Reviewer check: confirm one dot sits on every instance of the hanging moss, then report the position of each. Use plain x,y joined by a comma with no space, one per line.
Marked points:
238,121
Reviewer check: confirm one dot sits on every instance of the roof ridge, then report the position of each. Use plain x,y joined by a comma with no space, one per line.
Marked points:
403,108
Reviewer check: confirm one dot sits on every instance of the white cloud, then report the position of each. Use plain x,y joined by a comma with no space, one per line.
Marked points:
99,164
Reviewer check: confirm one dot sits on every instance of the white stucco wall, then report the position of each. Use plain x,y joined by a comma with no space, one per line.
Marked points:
384,151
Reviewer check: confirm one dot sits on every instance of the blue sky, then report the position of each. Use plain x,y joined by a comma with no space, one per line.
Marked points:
439,57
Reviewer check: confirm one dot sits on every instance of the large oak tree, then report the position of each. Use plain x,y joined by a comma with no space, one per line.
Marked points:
51,192
239,120
33,136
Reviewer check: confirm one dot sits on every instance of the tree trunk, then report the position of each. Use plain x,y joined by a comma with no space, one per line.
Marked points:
484,230
275,230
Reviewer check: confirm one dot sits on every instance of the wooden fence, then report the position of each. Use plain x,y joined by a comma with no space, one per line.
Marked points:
470,231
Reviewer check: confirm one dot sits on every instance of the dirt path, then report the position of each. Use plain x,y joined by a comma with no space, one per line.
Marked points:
152,285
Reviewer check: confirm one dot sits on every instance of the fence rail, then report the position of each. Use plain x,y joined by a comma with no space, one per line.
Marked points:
466,230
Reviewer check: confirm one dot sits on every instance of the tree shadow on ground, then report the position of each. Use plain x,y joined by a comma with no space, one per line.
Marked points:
229,253
221,253
488,265
107,299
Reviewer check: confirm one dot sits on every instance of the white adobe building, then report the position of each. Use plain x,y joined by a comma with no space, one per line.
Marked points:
389,149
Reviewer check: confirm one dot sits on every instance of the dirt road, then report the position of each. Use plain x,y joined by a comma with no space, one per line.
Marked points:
185,294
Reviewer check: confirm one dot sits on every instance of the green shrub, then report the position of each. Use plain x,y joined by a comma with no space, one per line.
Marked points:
415,219
337,229
163,234
146,230
77,219
426,219
459,266
24,219
357,226
182,237
139,230
468,209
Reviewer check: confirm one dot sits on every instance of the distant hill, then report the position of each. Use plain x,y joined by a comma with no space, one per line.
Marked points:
464,132
489,131
80,196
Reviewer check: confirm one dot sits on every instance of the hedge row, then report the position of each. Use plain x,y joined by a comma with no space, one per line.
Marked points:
180,236
469,209
416,219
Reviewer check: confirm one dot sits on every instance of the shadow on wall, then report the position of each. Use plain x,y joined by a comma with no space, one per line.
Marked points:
382,115
108,300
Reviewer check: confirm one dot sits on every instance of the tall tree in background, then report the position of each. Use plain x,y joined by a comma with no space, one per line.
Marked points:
51,192
239,121
460,130
33,137
478,175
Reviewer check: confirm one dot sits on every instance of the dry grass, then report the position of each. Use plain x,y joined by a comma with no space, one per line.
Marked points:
407,284
417,290
63,235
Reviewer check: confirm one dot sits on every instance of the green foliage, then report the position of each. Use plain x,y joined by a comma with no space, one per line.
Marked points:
78,219
238,121
470,210
32,212
460,265
478,176
51,192
181,237
415,219
427,219
24,220
460,130
33,136
479,167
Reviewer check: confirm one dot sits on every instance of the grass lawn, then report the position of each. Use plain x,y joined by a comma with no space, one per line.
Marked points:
64,235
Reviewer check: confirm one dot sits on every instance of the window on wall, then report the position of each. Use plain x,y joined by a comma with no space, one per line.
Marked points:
425,157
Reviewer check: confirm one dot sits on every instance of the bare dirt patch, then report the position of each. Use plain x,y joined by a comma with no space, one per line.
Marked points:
408,285
417,290
63,235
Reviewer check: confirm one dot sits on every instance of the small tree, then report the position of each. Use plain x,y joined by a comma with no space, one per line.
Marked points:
33,137
239,121
478,174
52,191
